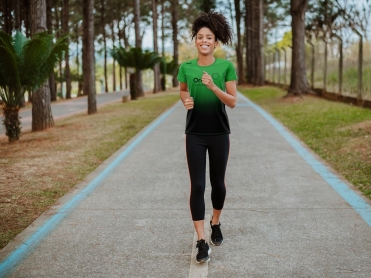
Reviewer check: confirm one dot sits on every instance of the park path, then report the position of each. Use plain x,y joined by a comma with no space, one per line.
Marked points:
65,108
286,214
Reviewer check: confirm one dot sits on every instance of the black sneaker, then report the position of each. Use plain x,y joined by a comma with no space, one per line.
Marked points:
216,234
203,251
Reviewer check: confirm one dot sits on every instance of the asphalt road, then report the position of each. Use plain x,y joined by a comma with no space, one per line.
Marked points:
65,108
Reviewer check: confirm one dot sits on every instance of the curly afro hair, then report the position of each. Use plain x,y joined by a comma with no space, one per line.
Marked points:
217,23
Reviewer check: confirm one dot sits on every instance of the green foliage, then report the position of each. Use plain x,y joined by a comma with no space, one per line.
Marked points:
26,64
171,67
135,58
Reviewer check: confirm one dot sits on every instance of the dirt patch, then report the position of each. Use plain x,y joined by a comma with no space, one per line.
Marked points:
43,166
360,127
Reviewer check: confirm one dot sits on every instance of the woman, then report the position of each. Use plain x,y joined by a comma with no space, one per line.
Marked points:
207,84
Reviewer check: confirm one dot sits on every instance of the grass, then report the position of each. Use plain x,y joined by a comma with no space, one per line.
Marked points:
43,166
339,133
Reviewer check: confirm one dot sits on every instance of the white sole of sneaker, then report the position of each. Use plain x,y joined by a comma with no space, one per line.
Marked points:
209,252
215,244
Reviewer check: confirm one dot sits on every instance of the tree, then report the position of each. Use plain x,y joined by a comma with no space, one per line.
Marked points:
258,45
49,25
299,83
174,24
207,5
104,38
24,65
42,117
88,56
239,55
138,44
137,59
65,28
254,41
156,70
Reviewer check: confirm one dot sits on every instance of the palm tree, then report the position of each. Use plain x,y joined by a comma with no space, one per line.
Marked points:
25,65
138,60
167,68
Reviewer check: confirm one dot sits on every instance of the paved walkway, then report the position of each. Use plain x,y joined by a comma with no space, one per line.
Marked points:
284,214
67,108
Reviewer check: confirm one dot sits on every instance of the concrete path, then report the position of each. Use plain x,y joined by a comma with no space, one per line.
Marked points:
283,216
67,108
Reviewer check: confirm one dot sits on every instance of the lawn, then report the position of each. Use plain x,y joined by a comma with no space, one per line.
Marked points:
339,133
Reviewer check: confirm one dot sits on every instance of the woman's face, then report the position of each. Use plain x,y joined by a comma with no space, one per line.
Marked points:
205,41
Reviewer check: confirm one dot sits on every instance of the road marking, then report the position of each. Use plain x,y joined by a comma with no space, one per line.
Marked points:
200,270
29,244
352,198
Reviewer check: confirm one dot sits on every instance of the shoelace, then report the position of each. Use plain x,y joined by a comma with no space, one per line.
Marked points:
216,231
201,246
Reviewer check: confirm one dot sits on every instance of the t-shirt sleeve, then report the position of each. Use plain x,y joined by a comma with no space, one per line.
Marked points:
181,75
231,73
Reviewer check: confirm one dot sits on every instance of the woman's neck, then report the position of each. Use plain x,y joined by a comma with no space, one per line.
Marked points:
205,60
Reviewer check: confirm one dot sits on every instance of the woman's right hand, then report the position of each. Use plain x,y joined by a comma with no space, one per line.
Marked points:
188,103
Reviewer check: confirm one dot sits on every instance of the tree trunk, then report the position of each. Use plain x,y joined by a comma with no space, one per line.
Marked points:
156,69
239,47
248,37
27,20
88,55
258,47
67,72
103,25
49,25
163,78
120,68
58,21
17,16
12,123
17,27
174,24
138,38
133,87
114,61
138,43
7,16
299,82
41,110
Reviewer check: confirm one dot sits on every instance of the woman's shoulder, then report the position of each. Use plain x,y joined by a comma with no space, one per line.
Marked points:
224,61
189,63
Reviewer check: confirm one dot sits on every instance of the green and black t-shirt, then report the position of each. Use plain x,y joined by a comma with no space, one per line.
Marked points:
208,116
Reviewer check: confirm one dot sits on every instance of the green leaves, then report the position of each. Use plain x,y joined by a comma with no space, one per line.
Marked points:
170,68
26,64
135,58
9,74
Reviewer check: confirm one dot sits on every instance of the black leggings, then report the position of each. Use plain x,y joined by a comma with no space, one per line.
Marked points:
218,149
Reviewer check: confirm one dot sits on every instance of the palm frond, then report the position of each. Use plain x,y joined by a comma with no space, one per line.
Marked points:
9,73
171,67
35,53
55,54
19,41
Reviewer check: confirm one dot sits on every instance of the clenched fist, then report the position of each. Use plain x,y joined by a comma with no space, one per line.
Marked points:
207,80
188,103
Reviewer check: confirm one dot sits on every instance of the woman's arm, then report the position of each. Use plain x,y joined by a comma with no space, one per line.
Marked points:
185,97
228,98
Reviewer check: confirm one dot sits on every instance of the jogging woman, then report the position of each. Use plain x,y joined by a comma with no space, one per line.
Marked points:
207,84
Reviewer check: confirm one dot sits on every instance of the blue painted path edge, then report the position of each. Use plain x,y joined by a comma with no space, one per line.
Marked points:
352,198
8,265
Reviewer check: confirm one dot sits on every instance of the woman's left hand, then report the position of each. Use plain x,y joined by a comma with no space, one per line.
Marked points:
208,80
